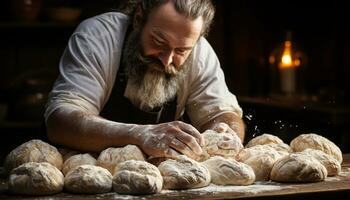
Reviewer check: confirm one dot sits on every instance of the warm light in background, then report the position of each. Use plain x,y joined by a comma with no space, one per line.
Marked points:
286,61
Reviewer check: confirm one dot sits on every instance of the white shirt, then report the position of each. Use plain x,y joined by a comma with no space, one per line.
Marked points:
91,60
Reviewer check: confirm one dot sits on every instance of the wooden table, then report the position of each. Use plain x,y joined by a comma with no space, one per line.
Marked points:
332,188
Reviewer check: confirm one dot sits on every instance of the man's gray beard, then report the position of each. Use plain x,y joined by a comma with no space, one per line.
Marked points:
146,88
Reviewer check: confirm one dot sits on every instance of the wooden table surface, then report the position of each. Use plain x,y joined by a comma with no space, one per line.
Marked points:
332,188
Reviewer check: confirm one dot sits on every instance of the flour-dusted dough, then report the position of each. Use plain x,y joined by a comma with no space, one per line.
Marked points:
211,148
264,139
261,158
315,141
229,171
137,177
33,151
298,167
77,160
184,173
33,178
111,157
331,164
89,179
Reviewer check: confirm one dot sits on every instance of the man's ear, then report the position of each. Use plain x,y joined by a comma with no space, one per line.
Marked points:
138,17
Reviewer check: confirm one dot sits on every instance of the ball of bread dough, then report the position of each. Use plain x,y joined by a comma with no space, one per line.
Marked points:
184,173
229,172
111,157
137,177
33,178
314,141
264,139
33,151
88,179
261,158
211,148
329,162
77,160
298,167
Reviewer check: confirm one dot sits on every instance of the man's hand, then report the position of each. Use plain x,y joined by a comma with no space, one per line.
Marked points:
170,140
229,143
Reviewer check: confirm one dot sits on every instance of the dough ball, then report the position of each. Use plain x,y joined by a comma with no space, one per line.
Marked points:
111,157
184,173
314,141
229,172
264,139
261,158
329,162
137,177
88,179
77,160
33,178
211,148
33,151
298,167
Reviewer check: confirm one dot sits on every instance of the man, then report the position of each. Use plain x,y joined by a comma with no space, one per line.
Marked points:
152,67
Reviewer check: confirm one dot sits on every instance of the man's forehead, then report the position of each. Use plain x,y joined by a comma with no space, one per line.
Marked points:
173,25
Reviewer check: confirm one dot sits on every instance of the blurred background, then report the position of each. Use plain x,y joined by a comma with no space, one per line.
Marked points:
287,63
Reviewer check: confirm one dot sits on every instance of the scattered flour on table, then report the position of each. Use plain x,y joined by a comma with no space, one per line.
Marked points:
250,189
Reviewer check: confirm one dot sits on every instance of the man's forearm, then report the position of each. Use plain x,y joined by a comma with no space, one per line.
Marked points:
87,132
235,122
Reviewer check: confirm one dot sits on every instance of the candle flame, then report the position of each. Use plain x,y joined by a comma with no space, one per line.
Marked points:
287,61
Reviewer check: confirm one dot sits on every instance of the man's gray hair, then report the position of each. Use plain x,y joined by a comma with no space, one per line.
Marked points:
190,8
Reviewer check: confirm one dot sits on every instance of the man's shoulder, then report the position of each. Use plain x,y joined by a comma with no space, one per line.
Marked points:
112,22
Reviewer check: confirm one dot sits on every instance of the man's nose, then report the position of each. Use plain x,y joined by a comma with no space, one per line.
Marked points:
166,57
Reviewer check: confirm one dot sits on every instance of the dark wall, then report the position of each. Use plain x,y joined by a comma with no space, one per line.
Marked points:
246,31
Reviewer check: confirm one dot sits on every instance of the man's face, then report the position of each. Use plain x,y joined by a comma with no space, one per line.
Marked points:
169,37
156,56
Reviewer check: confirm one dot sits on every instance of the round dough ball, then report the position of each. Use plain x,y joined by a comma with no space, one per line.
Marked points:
264,139
229,172
329,162
77,160
137,177
88,179
111,157
261,158
184,173
314,141
35,179
33,151
298,167
211,148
